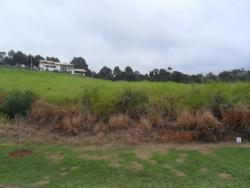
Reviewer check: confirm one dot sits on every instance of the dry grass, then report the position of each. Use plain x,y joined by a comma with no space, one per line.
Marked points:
186,120
158,121
69,119
144,125
237,118
119,122
44,114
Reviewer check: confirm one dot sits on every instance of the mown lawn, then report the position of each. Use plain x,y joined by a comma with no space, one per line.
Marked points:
57,87
64,166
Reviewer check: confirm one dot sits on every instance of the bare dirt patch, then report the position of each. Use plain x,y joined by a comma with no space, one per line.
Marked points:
20,153
204,170
147,151
137,166
175,171
225,176
63,173
55,157
181,158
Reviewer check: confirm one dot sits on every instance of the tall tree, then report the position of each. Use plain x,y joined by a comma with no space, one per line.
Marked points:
79,63
105,73
130,76
117,73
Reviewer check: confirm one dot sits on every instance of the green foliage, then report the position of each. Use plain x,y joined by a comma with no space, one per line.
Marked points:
131,102
73,87
88,99
219,103
17,102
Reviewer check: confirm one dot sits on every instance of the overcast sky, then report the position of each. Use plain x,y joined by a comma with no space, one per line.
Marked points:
192,36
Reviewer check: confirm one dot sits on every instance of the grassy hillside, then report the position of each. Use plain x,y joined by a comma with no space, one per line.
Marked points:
56,87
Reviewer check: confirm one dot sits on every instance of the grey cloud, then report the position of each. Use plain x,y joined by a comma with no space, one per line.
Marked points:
190,35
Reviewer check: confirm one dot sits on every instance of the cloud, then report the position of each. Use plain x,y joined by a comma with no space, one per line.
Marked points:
192,36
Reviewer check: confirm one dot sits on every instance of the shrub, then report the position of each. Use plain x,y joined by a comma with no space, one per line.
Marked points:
237,118
17,102
219,104
131,102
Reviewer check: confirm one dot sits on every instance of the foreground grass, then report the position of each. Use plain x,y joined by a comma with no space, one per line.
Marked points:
58,88
60,166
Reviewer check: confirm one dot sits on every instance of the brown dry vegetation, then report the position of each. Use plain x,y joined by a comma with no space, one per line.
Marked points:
189,126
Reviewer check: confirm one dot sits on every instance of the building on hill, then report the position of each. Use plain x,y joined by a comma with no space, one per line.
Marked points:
45,65
79,71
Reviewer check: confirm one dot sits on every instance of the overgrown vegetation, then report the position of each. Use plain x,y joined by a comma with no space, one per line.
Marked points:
17,102
143,111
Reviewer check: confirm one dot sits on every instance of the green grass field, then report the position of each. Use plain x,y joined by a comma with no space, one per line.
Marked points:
56,87
64,167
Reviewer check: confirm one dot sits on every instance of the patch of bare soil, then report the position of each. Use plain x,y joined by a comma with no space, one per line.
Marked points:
55,157
63,173
175,171
225,176
181,158
204,170
20,153
147,151
136,166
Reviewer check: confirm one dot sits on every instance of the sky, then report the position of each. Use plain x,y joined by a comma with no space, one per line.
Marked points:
192,36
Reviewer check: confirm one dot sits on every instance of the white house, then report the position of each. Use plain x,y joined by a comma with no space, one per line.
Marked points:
45,65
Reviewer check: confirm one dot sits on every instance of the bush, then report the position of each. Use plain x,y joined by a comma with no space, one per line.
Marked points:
17,102
132,103
219,104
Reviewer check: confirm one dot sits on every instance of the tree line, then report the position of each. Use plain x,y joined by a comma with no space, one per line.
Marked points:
19,58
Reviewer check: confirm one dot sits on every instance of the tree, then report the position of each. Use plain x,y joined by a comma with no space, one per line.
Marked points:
79,63
19,58
2,56
55,59
117,73
226,76
105,73
129,73
36,60
154,75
